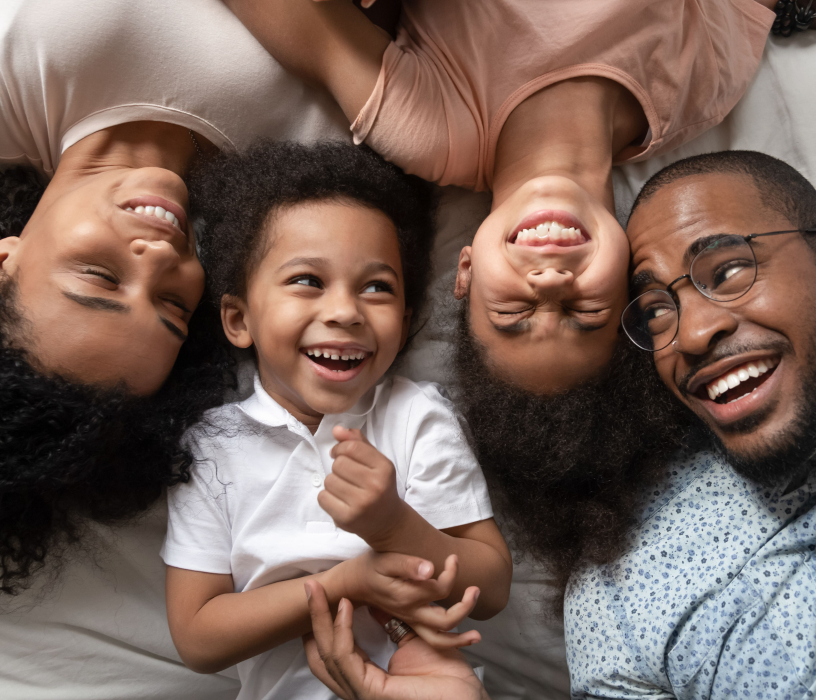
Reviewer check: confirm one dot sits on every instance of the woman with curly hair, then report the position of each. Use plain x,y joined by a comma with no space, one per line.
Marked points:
105,359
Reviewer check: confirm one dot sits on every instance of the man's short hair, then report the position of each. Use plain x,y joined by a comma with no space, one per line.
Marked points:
782,188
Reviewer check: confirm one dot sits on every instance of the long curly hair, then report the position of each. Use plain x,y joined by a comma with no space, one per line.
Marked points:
71,452
566,471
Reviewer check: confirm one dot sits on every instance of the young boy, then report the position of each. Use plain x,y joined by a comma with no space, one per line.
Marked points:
319,256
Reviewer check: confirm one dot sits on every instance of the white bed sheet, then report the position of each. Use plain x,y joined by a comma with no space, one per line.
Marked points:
522,652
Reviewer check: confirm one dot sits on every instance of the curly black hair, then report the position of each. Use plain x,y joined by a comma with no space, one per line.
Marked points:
235,193
71,452
566,471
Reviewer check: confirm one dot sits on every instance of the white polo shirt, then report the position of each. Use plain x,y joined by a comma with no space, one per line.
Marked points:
251,508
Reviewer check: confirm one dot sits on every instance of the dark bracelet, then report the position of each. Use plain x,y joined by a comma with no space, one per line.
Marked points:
791,17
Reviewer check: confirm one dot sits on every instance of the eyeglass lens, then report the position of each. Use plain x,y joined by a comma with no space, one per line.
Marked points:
722,271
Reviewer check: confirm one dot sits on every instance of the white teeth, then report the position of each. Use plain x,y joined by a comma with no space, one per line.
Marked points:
551,230
738,375
159,212
332,354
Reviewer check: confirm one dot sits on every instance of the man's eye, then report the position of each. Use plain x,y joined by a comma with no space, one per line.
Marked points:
307,281
373,287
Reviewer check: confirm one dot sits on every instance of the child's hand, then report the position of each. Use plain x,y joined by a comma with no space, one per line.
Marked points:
403,586
360,494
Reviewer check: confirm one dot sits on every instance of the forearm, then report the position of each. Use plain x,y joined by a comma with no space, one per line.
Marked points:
483,564
330,44
232,627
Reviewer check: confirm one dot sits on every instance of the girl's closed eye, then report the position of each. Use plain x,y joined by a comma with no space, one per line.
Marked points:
101,277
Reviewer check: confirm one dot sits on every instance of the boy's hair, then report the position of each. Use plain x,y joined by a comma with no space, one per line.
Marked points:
236,193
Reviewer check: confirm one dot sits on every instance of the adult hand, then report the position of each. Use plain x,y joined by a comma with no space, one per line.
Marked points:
416,671
403,585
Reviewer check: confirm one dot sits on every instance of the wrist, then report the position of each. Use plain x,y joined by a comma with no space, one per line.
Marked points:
388,538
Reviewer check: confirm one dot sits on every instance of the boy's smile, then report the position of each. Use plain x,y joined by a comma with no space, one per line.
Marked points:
325,307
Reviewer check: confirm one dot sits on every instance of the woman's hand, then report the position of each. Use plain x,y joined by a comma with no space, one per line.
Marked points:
416,671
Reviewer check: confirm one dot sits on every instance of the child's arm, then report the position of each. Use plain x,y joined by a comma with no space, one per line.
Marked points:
331,44
361,497
213,627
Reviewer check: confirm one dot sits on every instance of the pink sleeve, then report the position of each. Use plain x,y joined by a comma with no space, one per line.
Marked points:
410,115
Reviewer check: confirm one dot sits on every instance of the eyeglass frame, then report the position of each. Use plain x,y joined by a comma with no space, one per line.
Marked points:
672,294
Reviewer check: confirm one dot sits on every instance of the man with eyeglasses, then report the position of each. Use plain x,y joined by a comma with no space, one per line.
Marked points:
715,595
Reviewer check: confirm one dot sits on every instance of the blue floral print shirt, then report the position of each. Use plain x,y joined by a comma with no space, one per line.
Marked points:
715,596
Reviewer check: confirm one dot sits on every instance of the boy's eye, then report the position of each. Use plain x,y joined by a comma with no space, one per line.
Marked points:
307,281
373,287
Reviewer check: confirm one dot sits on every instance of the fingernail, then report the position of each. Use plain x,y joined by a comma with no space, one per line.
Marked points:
477,594
342,604
425,568
308,590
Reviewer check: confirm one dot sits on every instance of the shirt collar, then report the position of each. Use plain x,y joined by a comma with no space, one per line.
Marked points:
262,408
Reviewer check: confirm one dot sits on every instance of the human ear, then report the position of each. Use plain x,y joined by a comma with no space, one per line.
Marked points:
233,319
463,274
406,324
8,253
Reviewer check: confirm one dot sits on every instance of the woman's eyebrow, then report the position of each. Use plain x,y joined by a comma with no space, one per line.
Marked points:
173,329
98,303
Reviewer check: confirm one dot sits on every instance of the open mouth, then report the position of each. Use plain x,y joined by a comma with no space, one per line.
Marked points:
739,382
550,227
336,360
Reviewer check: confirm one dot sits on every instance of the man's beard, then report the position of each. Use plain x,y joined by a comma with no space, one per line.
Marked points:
791,453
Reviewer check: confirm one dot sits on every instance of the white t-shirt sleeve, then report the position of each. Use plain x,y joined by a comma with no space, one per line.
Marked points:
198,531
444,484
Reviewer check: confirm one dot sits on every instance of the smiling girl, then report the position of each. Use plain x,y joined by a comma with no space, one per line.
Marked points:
328,471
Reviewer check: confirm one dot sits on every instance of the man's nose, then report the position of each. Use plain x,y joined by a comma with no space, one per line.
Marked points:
341,308
703,323
550,280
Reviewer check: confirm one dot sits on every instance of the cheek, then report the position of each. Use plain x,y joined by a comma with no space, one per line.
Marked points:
666,366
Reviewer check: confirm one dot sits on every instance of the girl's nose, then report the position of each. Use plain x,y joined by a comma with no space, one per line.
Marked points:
550,280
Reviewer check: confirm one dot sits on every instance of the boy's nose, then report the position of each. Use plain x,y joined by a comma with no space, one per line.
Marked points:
342,309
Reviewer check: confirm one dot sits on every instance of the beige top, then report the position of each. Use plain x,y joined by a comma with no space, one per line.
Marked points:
457,70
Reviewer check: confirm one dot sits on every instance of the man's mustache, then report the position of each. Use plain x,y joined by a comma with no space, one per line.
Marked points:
725,350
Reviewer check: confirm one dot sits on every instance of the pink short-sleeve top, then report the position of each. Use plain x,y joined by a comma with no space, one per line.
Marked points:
458,69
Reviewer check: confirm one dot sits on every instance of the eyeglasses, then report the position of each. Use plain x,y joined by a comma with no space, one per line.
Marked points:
722,271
